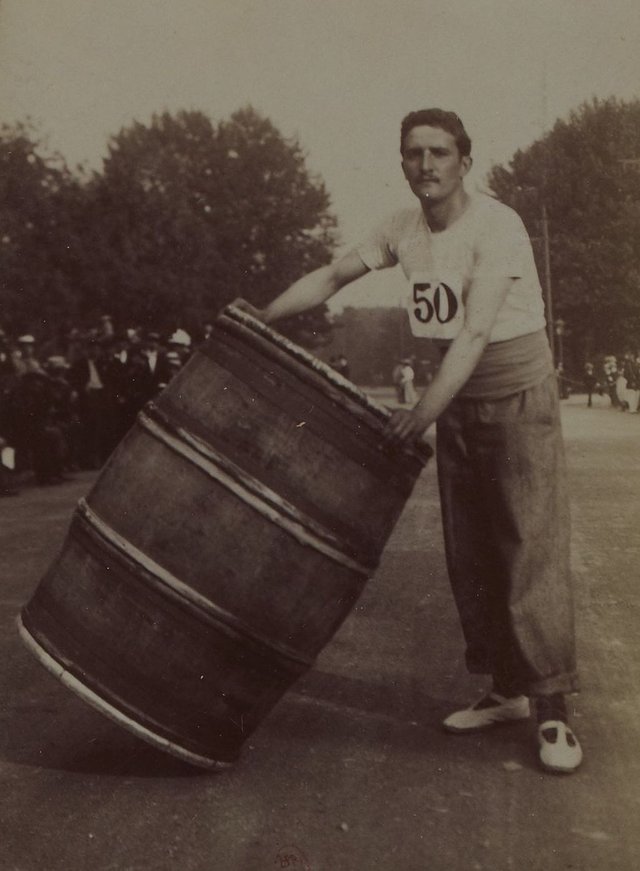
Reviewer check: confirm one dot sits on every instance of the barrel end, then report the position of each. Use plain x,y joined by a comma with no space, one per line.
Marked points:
110,711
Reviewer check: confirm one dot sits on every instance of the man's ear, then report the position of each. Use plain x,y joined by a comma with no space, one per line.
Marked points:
466,164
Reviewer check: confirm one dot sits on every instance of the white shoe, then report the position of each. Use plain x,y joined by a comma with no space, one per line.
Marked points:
489,711
560,750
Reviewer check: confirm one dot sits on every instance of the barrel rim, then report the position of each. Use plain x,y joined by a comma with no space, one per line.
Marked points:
81,689
421,449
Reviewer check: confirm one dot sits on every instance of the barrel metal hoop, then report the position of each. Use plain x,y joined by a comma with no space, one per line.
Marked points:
118,716
183,592
326,372
346,427
255,494
335,386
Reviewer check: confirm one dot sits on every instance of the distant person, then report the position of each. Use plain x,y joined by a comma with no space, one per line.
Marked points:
159,371
27,360
89,378
610,372
341,365
40,440
8,485
63,411
474,290
8,377
180,343
396,377
590,382
407,377
175,362
107,330
632,378
7,366
621,387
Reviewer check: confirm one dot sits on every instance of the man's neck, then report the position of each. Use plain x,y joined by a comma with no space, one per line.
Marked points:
441,214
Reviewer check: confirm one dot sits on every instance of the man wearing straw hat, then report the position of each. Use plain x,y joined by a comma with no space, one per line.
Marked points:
474,290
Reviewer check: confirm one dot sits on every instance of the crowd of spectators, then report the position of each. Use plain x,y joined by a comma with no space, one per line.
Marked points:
618,378
65,403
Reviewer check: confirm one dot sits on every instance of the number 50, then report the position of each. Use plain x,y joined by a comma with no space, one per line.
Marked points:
443,298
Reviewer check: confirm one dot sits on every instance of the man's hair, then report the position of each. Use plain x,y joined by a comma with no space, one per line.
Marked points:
447,121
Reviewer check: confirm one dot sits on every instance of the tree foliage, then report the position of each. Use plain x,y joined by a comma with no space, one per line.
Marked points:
585,172
37,246
184,216
198,214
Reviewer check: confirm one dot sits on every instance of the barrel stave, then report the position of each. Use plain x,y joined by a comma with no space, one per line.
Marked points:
285,433
168,666
223,547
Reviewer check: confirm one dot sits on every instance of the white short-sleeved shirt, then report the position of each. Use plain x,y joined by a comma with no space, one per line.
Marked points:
488,238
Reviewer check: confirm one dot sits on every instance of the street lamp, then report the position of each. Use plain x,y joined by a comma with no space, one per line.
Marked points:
548,295
560,325
562,381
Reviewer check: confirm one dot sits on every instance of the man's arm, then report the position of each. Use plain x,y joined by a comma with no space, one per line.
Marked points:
485,297
310,290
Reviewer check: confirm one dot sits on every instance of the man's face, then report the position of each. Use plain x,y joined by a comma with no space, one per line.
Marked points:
432,163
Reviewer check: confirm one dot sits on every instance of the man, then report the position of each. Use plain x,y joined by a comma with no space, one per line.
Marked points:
158,372
407,376
27,360
90,377
632,377
180,342
590,382
474,290
610,370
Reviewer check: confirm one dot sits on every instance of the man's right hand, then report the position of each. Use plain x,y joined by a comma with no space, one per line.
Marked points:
259,314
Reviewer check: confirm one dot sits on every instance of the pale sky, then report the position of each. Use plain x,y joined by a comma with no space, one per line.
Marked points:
338,74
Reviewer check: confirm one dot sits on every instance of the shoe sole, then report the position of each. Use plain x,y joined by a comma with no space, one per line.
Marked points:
551,769
456,730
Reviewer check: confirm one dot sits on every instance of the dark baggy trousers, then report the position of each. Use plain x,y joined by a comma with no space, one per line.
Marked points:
505,512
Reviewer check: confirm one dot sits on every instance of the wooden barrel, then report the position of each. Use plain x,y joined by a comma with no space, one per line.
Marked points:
222,545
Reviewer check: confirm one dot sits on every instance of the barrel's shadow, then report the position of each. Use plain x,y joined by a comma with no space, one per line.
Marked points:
324,713
88,744
45,726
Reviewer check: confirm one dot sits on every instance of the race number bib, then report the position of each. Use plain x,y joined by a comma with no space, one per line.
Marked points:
435,305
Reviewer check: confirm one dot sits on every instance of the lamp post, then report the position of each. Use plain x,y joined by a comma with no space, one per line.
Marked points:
560,325
546,259
562,384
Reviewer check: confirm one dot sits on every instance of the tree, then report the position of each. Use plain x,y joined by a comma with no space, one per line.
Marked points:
193,215
581,172
36,234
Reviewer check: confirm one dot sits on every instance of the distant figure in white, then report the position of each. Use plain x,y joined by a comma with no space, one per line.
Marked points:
407,390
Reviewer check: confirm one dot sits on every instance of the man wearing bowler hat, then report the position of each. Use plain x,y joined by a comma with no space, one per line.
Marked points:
473,290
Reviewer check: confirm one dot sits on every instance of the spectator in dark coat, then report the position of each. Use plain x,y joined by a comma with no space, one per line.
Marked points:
590,382
39,439
90,378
